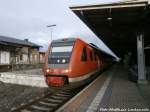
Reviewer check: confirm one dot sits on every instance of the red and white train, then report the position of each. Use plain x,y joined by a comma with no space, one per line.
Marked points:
71,60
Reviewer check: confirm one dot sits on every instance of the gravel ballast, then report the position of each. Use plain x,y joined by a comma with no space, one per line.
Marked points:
12,95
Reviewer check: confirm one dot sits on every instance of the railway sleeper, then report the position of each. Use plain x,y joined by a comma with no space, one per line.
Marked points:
63,95
53,100
48,103
37,108
59,97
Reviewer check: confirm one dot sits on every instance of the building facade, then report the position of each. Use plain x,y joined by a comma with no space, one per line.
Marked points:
15,51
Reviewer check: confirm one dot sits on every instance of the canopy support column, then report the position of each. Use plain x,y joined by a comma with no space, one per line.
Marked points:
141,60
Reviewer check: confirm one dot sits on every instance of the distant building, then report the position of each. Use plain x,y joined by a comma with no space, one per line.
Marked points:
16,51
42,57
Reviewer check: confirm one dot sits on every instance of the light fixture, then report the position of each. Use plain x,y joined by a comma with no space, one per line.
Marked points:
47,70
51,26
63,61
65,71
58,61
109,18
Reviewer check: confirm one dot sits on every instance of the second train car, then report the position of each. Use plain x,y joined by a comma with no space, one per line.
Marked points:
70,60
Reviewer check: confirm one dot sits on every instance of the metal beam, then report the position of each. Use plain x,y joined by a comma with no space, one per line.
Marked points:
108,6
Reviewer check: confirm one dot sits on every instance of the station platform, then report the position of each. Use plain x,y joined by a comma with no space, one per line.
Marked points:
111,91
32,77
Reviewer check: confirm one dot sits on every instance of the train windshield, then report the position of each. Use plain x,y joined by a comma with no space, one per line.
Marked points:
60,54
62,49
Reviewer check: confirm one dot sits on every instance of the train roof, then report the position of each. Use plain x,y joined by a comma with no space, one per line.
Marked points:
64,39
100,51
71,40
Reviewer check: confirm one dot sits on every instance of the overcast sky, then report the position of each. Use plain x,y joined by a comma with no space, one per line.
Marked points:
28,19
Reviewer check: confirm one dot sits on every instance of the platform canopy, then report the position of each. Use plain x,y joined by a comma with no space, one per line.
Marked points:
118,24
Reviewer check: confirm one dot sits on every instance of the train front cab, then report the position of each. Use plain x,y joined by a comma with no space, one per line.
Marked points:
57,62
70,61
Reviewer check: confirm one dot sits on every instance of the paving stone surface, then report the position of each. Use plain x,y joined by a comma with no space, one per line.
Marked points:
124,94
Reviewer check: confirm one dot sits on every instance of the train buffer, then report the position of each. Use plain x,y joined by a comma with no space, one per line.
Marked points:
111,92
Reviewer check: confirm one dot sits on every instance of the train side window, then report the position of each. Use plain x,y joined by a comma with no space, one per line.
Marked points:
91,56
84,54
95,56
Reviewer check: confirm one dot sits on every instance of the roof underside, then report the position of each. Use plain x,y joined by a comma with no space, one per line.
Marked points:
16,42
117,25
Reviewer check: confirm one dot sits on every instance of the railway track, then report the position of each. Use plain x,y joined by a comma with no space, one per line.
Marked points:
54,99
50,102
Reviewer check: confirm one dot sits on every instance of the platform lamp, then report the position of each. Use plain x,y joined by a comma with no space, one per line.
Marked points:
51,26
109,17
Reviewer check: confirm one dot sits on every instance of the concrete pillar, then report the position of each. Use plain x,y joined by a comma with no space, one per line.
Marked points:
141,60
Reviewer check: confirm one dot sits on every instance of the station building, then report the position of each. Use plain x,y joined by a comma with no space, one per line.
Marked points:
15,52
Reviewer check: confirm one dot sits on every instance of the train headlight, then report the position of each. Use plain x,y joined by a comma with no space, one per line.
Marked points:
58,61
66,70
47,70
63,61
